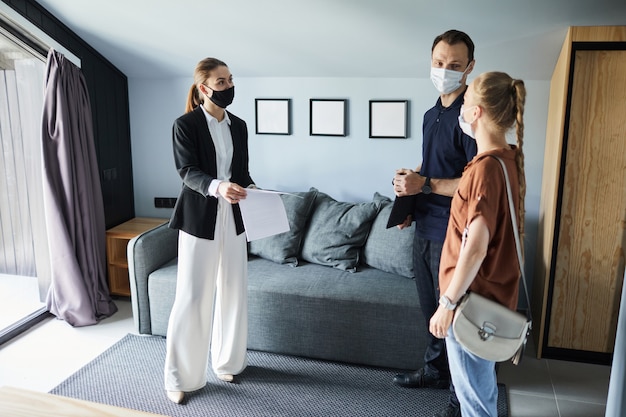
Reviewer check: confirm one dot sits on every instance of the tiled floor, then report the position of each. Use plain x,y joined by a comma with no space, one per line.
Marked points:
53,350
553,388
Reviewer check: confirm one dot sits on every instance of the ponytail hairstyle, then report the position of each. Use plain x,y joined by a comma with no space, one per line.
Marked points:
200,75
503,98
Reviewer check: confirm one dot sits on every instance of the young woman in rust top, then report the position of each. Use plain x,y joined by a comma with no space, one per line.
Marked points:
480,245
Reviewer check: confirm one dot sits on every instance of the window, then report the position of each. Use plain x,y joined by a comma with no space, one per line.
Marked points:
22,226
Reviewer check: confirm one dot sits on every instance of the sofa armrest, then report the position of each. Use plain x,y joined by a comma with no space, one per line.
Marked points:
146,253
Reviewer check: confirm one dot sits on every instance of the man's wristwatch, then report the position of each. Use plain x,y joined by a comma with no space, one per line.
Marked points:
426,188
446,303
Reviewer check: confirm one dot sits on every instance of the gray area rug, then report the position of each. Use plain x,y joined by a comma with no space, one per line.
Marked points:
130,374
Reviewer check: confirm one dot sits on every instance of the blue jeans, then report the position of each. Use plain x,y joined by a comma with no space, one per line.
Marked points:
426,256
474,379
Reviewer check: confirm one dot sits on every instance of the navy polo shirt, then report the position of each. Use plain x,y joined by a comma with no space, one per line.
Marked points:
445,152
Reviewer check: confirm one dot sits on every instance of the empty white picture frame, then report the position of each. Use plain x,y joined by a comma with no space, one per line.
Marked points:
273,116
388,119
328,117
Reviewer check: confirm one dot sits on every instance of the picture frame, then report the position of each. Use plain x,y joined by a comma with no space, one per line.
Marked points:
273,116
328,117
389,119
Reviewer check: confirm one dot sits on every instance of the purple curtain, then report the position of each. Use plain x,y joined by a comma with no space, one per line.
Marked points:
73,204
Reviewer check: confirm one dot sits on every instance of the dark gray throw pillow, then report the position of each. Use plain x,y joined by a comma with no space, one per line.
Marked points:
337,231
390,250
283,248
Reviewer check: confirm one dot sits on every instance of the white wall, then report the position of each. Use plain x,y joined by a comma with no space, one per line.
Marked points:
348,168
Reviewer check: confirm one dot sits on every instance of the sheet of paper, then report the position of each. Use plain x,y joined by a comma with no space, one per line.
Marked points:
263,214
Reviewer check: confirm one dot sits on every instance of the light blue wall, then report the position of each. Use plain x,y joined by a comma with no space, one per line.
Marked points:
348,168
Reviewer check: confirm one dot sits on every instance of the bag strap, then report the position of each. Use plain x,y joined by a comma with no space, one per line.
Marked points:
518,246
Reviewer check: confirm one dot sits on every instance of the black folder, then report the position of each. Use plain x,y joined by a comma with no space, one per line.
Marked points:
402,207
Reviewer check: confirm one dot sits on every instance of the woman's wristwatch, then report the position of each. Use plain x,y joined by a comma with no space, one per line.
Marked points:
446,303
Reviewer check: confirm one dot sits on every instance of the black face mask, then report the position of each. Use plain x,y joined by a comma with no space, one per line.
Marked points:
223,98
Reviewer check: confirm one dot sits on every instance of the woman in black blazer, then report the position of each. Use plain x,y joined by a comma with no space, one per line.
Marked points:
210,308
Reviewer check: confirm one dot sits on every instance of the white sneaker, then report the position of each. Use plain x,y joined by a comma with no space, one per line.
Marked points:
226,377
176,396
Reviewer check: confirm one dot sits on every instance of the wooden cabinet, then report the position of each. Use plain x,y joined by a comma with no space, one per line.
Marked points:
581,246
117,241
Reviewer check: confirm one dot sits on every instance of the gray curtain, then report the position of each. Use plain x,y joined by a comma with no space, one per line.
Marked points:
73,204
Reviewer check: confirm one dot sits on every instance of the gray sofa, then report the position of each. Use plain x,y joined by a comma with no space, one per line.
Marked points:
338,286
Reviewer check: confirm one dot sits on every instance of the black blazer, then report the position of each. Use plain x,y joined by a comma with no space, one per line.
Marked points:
195,211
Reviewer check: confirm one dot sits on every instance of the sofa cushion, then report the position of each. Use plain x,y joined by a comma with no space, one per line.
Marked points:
337,231
371,317
389,250
283,248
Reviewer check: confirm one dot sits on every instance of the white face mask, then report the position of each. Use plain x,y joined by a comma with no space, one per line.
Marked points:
465,126
446,81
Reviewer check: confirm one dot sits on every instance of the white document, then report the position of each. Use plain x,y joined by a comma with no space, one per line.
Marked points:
263,214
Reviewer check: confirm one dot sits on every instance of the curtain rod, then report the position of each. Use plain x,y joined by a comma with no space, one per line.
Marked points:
39,37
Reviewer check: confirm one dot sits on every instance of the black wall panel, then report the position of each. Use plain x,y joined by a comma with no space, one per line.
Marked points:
108,93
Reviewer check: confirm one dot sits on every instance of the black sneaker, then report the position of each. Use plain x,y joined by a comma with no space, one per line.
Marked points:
450,411
419,379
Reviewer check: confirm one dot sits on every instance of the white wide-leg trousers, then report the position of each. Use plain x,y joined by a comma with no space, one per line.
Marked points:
210,311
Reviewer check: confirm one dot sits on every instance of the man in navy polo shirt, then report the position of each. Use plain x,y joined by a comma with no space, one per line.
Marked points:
445,152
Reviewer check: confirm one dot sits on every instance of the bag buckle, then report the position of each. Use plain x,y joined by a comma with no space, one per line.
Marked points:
487,331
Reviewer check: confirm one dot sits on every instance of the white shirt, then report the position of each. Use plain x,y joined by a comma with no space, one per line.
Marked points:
223,142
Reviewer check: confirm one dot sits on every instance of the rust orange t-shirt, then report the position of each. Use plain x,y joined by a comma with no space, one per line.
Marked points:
482,192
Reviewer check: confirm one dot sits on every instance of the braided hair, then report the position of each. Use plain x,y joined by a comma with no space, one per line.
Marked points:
503,99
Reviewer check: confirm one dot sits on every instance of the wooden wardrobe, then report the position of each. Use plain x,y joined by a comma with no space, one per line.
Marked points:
579,269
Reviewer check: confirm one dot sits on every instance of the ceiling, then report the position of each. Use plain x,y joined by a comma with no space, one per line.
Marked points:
326,38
